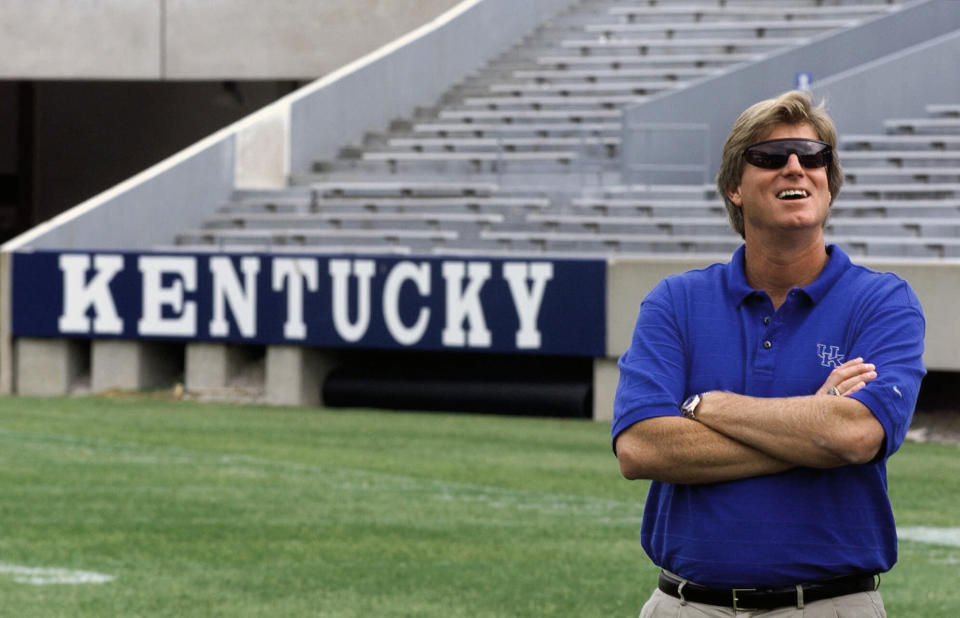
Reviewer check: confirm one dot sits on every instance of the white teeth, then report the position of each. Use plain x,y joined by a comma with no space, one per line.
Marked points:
792,193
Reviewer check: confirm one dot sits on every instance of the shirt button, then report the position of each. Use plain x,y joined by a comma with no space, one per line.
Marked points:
766,321
767,344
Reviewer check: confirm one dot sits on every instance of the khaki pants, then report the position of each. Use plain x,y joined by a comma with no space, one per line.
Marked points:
860,605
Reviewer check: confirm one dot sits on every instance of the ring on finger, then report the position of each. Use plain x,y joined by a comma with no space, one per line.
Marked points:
833,390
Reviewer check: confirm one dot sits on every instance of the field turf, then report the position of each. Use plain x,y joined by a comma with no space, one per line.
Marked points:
147,507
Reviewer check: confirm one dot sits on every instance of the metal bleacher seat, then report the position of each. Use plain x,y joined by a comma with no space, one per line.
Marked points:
694,60
902,190
612,242
666,75
900,157
920,173
475,159
507,143
350,220
653,207
894,208
706,11
554,97
544,129
408,188
588,88
648,45
273,236
867,142
754,27
881,246
388,204
921,125
573,115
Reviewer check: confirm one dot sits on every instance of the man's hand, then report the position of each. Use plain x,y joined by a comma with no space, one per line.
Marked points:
848,378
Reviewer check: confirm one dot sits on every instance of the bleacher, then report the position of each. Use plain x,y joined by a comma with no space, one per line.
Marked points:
534,137
901,198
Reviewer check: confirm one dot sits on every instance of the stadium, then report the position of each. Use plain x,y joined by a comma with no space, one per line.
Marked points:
462,213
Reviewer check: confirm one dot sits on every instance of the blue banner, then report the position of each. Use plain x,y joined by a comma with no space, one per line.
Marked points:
426,303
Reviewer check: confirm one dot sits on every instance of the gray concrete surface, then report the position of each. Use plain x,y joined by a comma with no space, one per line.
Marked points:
183,39
133,365
48,367
295,375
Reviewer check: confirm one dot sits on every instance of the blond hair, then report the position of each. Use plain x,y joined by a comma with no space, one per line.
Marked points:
794,107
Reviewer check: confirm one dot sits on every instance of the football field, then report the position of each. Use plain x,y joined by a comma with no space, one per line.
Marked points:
151,507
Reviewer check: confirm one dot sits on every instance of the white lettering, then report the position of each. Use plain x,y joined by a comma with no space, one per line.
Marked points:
463,303
527,300
227,291
292,273
420,276
340,270
156,297
79,295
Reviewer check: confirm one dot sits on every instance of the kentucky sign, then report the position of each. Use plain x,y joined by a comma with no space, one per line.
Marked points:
497,305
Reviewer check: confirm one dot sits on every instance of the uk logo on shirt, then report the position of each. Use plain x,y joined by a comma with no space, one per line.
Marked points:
830,356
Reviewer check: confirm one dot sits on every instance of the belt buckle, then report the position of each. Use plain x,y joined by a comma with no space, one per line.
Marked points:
736,602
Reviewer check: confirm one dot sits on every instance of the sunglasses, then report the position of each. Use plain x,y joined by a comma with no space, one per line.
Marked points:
774,153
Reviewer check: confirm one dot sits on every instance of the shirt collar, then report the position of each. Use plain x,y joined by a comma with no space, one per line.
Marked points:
836,265
740,290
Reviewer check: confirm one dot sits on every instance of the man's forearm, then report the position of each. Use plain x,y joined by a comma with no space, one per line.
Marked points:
677,450
818,431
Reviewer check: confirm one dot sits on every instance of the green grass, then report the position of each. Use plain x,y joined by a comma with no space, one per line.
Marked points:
219,510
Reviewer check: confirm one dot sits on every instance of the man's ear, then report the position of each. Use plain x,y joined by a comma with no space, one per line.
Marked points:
734,196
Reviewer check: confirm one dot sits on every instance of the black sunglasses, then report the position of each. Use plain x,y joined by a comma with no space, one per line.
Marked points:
773,154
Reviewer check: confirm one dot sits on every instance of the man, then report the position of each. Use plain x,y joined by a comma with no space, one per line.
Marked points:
763,396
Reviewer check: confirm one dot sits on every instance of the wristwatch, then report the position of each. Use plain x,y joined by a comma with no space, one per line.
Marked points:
689,407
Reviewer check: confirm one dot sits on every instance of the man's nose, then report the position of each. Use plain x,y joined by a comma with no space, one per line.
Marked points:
793,164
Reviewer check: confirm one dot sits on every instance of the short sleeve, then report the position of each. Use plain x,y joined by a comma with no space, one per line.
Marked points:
892,339
653,369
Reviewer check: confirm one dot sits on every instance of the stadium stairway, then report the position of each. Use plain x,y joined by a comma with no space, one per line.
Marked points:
506,160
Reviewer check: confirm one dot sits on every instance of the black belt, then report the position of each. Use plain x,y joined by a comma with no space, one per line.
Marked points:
766,598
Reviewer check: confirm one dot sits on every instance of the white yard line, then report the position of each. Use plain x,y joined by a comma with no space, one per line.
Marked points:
46,576
931,534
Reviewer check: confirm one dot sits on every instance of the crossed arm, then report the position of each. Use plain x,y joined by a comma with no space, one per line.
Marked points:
736,436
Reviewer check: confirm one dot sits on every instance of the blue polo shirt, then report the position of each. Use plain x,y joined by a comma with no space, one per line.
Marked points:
709,330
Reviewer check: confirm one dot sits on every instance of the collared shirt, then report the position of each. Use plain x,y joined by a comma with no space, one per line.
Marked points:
709,330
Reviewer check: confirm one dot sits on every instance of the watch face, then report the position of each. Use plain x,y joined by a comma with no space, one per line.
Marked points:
690,405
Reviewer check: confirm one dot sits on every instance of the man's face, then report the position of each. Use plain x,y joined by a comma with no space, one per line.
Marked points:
786,199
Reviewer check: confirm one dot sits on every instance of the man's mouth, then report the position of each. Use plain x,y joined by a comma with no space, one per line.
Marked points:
792,194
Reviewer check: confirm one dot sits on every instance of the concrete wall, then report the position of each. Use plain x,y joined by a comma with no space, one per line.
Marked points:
185,39
718,100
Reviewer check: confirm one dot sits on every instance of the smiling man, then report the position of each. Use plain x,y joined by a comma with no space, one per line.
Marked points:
763,396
